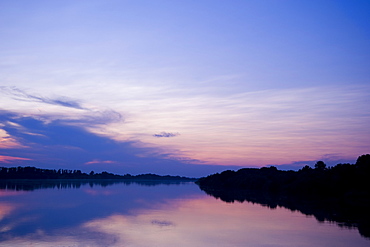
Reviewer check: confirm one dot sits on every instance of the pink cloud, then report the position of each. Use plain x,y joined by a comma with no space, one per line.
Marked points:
96,161
8,142
9,159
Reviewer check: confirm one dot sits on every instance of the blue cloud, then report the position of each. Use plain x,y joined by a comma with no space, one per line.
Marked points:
62,145
166,134
21,95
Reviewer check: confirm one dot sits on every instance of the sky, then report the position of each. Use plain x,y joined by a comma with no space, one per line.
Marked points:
183,87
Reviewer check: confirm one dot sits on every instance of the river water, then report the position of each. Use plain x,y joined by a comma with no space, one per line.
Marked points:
154,214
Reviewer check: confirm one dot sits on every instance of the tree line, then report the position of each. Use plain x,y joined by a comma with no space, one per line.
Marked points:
342,180
39,173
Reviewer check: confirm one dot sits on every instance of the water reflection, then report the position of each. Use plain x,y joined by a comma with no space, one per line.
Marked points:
161,215
341,212
29,185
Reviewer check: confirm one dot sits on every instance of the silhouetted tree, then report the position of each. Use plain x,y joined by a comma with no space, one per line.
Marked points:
320,165
306,168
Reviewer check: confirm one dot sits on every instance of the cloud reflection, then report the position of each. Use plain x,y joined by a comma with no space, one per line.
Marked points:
206,222
6,209
157,216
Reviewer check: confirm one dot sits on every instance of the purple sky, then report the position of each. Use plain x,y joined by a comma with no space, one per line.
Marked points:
183,87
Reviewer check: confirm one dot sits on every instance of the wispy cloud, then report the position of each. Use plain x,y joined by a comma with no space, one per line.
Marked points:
61,109
74,147
275,126
166,134
22,95
96,161
163,223
10,159
7,141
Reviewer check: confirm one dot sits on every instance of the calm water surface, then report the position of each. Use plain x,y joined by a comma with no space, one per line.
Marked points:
156,215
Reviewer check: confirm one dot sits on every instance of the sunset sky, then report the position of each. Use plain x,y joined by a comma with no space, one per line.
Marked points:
183,87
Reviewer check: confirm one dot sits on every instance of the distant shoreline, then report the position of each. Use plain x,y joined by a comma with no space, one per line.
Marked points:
94,180
32,173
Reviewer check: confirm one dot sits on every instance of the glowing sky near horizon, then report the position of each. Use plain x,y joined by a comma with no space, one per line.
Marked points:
227,83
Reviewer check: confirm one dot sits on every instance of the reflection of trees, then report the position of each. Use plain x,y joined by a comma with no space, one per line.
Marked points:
343,213
340,193
34,184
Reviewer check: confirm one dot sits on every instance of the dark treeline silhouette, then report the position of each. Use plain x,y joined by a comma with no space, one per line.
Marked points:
343,180
38,173
339,194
